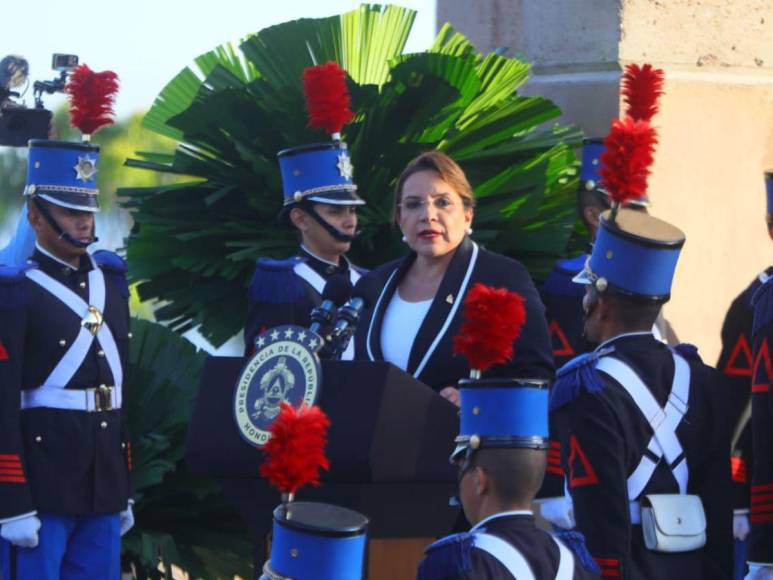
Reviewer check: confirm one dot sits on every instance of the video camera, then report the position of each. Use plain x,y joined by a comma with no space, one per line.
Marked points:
18,123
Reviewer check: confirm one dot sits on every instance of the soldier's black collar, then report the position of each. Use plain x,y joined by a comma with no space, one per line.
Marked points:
49,263
323,267
488,520
647,334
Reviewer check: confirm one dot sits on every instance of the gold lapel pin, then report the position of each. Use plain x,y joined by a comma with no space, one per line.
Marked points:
450,298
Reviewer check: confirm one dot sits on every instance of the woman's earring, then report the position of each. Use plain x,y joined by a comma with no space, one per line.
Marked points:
469,231
404,239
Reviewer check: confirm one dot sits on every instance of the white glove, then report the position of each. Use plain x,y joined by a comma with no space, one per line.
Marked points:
559,511
22,532
127,518
741,526
757,572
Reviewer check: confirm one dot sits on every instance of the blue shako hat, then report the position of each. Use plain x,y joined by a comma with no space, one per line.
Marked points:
502,413
317,541
590,178
769,189
636,256
63,173
321,172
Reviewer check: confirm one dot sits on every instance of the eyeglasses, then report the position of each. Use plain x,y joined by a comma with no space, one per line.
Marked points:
417,205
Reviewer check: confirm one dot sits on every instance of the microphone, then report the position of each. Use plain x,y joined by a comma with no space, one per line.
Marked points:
349,314
337,291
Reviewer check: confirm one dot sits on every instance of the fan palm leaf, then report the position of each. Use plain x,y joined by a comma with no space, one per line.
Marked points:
195,243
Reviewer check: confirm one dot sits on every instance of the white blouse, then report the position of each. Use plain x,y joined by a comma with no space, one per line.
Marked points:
399,328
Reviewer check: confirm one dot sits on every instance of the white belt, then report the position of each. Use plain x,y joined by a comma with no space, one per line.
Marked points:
90,400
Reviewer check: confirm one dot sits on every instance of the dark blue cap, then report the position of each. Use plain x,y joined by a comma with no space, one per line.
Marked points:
317,540
636,255
321,173
63,173
503,413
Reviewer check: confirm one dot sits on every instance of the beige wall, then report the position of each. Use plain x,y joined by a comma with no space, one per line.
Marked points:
715,122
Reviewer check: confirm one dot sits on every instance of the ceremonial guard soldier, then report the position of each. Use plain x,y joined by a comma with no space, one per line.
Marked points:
736,362
761,540
64,331
501,456
563,298
320,200
641,426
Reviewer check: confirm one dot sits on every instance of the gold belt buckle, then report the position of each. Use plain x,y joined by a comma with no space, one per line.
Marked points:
102,399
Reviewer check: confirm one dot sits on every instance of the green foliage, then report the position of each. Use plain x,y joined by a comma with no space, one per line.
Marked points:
182,519
13,175
196,241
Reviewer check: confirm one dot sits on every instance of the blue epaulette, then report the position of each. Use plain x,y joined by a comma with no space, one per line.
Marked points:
12,292
688,351
762,302
575,541
449,556
576,377
275,282
559,281
114,266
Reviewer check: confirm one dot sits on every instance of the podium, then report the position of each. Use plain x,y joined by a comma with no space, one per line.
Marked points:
388,446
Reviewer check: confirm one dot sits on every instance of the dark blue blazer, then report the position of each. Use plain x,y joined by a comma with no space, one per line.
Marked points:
431,360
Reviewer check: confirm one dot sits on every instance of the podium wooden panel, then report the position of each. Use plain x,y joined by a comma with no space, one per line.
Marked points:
395,558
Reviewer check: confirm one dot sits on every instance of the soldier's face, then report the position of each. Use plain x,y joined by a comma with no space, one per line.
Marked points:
316,238
76,223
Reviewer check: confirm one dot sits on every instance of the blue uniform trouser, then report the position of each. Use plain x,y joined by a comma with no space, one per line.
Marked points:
739,560
69,548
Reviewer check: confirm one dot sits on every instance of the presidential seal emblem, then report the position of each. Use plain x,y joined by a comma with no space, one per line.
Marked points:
285,367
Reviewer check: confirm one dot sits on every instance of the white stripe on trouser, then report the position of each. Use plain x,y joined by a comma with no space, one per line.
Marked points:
664,422
505,554
72,360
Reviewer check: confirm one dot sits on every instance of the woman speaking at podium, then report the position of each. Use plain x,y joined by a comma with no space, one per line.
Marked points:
416,306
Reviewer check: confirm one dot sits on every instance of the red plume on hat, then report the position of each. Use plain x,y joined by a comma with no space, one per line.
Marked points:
296,449
327,97
642,87
630,144
92,96
493,319
625,164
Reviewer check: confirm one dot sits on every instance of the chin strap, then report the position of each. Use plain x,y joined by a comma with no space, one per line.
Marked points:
337,234
57,228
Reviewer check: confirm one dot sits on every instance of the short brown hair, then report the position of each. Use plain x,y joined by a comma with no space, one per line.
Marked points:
448,170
